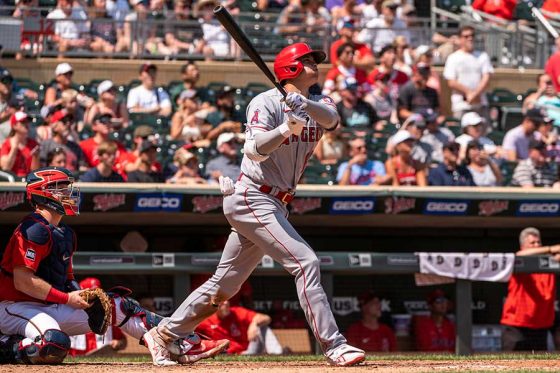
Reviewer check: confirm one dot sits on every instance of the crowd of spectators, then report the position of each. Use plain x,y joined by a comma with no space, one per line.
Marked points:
392,132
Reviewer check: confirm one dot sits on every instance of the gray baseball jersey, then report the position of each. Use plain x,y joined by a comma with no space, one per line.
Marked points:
286,164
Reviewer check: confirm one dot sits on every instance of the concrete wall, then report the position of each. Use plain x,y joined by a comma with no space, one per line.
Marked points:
235,73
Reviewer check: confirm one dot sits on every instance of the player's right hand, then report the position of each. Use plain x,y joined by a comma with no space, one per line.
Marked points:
296,123
76,301
227,186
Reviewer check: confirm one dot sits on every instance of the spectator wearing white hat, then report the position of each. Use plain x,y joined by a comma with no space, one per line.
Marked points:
227,163
401,167
63,75
107,103
425,54
186,168
472,125
71,30
19,154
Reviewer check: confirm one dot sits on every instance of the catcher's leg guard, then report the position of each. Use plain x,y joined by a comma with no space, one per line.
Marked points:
51,348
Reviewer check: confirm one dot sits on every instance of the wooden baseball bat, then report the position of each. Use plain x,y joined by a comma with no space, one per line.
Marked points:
239,36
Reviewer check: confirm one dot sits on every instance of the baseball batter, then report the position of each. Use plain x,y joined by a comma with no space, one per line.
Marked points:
40,301
280,137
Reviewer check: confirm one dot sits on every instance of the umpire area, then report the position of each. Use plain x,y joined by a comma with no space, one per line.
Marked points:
349,225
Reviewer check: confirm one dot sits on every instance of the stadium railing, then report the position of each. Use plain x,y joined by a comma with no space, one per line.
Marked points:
182,265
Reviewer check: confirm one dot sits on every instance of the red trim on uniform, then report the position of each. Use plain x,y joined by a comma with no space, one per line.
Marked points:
297,262
57,296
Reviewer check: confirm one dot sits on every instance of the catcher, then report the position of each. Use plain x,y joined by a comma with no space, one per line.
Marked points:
41,304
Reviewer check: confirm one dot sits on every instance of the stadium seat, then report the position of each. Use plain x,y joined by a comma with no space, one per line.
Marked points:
511,117
507,169
451,5
257,88
497,136
317,173
155,121
502,96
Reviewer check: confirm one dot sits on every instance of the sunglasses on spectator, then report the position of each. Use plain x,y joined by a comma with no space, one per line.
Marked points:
359,147
7,80
548,82
468,36
67,119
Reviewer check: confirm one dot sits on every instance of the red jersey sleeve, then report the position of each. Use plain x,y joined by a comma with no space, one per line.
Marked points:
28,253
244,315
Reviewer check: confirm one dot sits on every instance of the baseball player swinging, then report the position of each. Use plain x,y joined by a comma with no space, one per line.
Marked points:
41,304
280,137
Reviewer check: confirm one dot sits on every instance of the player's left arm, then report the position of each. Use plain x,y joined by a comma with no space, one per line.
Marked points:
323,111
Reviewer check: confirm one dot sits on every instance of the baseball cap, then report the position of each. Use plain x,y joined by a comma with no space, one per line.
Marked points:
63,68
188,94
349,83
366,297
423,50
104,86
103,118
59,115
90,283
471,119
537,144
436,295
143,131
136,2
226,137
538,115
18,117
345,22
417,120
422,69
428,114
147,67
390,4
401,136
183,156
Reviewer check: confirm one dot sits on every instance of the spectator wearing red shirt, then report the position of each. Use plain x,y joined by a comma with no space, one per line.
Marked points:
528,311
247,330
19,154
346,69
369,334
552,67
435,332
498,8
363,57
89,343
130,161
552,6
395,79
102,127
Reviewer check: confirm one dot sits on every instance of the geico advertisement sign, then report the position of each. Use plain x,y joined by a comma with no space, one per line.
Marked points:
352,206
158,202
446,207
538,208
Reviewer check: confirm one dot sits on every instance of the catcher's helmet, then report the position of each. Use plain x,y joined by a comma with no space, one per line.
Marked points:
287,64
53,187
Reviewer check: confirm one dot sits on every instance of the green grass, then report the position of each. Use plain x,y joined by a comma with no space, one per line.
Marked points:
380,357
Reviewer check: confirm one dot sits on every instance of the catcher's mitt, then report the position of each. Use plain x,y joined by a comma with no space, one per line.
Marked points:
100,311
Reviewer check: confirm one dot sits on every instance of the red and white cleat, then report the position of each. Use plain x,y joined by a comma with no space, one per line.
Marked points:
345,355
160,355
205,349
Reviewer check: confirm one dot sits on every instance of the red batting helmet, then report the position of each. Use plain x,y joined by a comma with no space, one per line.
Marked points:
287,64
90,283
53,187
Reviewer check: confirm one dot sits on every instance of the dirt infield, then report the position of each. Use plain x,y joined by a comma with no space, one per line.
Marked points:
382,366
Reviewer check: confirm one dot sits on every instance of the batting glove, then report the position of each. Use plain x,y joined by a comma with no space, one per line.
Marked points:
226,185
293,125
296,101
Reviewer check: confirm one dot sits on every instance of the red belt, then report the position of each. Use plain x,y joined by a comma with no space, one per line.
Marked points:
284,197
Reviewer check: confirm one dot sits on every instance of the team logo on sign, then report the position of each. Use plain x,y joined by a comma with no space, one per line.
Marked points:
203,204
300,206
489,208
11,199
352,206
446,207
106,202
396,205
538,208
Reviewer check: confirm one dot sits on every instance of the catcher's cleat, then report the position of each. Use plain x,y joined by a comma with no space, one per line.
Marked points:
160,355
345,355
207,348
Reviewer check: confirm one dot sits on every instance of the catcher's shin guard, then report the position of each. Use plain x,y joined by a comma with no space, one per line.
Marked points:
9,348
51,348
